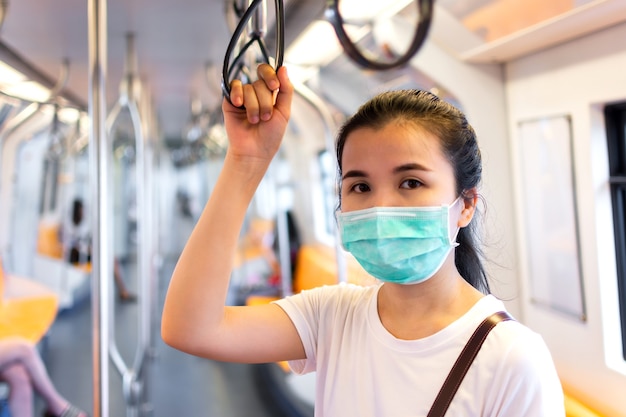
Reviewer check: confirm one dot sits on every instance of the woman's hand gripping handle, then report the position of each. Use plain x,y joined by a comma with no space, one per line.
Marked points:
256,132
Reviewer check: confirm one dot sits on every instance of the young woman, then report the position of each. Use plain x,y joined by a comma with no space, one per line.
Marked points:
409,171
23,370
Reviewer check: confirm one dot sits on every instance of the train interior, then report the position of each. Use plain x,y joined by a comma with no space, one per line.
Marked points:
89,192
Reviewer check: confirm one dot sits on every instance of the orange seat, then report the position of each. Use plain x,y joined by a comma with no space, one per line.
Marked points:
574,408
316,266
48,243
27,308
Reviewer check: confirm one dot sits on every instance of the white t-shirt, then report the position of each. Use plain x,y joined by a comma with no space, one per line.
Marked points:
363,370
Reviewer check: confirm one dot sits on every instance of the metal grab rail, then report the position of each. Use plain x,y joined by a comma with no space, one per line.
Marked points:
100,288
234,68
132,376
425,8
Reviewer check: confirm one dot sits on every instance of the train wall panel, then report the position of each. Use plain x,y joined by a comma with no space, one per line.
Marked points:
576,79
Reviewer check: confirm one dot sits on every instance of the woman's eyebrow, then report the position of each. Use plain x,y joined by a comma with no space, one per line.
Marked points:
401,168
411,167
354,174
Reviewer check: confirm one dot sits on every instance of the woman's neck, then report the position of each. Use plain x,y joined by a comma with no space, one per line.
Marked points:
416,311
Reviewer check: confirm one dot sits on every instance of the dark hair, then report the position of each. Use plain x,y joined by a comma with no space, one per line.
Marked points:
77,211
459,145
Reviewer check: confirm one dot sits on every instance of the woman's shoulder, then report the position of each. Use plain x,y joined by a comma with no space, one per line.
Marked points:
508,336
345,288
342,291
518,344
521,360
332,296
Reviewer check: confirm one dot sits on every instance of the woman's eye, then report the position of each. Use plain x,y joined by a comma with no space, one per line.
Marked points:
360,188
410,184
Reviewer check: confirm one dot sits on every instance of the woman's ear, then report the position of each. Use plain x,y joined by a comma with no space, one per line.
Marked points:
469,198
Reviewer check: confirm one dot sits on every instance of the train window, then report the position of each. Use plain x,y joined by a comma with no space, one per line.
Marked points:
615,116
328,180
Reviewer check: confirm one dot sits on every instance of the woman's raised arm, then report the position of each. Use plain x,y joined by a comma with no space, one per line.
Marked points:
195,318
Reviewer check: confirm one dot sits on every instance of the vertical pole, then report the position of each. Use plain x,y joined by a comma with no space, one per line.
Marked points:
98,151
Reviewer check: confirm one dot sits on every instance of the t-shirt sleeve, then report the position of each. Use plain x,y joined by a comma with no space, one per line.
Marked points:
304,311
321,317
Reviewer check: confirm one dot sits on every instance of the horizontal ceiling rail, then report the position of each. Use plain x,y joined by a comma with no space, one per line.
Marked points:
10,57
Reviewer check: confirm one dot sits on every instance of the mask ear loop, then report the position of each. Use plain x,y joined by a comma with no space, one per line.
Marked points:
452,223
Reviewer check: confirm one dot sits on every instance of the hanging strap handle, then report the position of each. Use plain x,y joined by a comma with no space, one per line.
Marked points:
463,362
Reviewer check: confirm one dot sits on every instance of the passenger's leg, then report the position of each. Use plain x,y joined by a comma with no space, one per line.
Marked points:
22,353
20,390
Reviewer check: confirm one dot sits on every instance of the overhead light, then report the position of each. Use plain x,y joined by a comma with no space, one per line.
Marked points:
69,115
302,73
28,90
14,83
367,10
85,122
318,44
9,75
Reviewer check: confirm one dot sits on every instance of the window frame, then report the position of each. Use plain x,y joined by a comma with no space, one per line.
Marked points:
615,119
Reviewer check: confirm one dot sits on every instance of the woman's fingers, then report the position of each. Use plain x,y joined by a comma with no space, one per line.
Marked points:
236,93
266,73
285,93
251,103
259,97
265,97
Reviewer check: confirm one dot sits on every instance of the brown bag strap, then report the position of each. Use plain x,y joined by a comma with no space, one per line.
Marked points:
463,362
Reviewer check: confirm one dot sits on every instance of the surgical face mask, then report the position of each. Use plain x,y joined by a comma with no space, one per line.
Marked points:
404,245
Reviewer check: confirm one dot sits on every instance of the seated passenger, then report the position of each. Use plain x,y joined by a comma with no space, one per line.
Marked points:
78,240
23,370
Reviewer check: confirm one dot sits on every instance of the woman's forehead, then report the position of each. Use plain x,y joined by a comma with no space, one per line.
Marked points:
391,147
405,137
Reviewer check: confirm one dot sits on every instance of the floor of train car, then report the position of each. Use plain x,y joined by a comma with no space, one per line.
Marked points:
181,384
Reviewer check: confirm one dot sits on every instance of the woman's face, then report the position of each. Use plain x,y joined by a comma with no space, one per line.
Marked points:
400,165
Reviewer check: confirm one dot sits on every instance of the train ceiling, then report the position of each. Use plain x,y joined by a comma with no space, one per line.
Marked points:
175,40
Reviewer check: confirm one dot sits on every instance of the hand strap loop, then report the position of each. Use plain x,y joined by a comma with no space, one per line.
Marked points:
425,8
235,68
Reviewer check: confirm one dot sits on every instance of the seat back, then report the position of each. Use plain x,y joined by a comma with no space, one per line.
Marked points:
27,308
48,242
317,266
